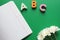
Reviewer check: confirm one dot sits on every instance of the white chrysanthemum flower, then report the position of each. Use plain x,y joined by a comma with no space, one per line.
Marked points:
40,37
43,34
47,32
53,29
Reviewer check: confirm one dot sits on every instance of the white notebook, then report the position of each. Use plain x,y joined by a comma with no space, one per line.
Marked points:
12,24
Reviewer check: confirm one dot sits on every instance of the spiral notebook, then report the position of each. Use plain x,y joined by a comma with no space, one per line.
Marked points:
12,24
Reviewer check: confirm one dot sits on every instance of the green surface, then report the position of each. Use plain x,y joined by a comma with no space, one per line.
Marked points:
37,20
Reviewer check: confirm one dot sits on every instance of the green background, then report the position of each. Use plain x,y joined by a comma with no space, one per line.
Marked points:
37,20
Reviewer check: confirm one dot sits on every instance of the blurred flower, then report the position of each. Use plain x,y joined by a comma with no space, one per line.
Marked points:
43,34
47,32
53,29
